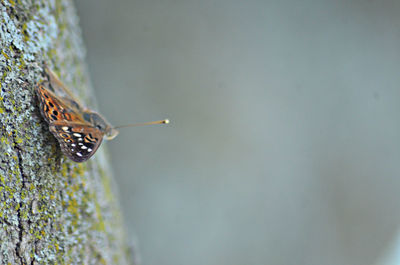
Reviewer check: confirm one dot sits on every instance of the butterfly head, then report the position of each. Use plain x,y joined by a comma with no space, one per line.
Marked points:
102,124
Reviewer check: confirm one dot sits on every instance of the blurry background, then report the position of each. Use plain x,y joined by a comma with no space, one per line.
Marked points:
284,143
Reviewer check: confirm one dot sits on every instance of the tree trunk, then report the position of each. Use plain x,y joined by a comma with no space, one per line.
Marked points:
52,210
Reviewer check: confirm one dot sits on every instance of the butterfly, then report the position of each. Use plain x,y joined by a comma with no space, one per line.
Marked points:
78,130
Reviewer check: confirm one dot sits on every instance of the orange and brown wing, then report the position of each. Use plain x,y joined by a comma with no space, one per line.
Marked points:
55,109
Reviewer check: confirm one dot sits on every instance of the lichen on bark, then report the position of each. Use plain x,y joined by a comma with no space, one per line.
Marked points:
52,210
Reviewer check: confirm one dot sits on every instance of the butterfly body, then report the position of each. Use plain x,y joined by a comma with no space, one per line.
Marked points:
78,130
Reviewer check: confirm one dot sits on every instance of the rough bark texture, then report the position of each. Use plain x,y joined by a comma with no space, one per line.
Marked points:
52,210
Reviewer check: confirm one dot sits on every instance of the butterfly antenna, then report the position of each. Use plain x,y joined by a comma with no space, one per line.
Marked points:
166,121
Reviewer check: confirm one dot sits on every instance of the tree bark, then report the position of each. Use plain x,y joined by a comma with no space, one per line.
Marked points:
52,210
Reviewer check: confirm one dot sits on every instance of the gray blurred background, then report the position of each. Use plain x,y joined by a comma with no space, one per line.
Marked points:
284,143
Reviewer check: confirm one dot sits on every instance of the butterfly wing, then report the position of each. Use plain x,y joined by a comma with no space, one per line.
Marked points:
78,141
56,109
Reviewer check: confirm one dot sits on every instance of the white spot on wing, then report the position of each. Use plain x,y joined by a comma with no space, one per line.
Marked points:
83,147
77,134
65,128
89,149
79,154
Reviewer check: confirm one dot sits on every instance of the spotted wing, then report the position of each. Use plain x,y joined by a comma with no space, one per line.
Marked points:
56,109
78,141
